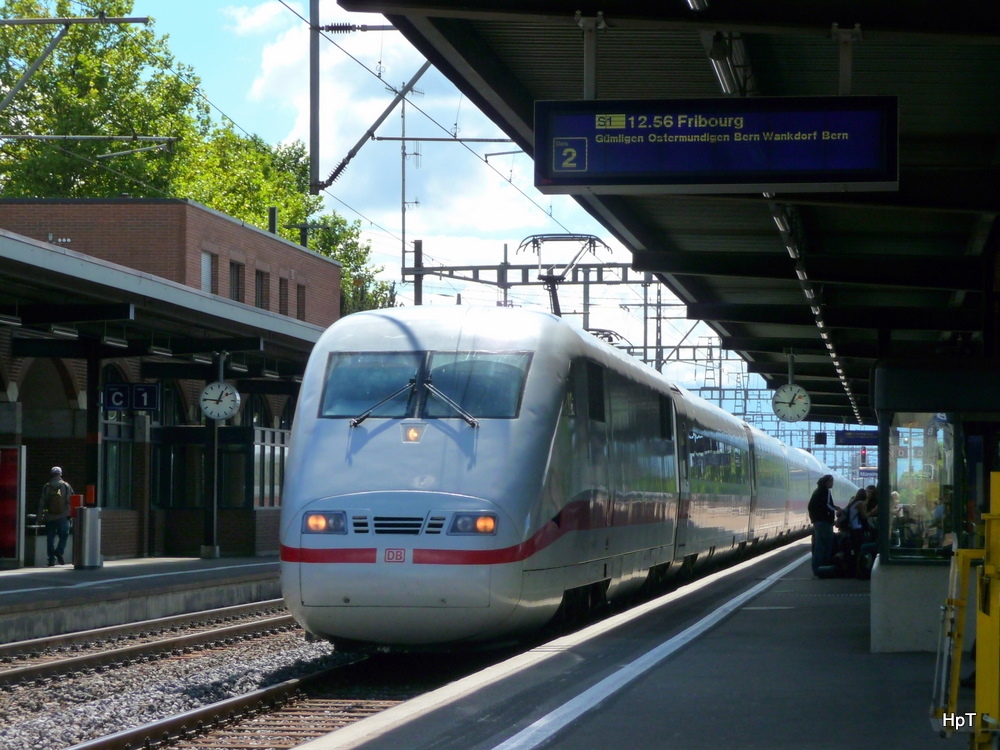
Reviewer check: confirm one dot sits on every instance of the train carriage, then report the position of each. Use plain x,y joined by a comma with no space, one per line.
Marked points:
460,474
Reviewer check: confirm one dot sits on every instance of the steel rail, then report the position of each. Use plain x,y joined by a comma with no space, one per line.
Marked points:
163,648
18,648
199,719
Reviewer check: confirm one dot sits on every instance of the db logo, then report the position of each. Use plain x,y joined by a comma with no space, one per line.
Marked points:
395,555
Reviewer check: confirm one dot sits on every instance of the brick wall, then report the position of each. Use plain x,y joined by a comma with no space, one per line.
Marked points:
266,539
121,534
167,237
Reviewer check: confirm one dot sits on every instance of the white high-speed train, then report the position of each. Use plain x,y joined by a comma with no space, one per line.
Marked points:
458,474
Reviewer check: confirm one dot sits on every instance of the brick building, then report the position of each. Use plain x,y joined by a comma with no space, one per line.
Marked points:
99,294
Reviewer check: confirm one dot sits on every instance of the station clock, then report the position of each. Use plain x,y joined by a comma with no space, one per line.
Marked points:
791,403
219,400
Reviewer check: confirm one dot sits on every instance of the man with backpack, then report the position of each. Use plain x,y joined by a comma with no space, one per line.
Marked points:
54,512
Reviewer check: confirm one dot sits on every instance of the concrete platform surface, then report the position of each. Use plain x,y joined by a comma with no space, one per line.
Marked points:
762,656
38,602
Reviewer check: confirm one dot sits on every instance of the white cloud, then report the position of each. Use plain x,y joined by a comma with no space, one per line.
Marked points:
249,20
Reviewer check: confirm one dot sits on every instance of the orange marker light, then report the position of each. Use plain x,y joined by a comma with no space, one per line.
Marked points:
316,522
412,435
486,524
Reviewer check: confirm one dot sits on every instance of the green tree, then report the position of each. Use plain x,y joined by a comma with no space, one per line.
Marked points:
111,79
99,80
359,289
243,177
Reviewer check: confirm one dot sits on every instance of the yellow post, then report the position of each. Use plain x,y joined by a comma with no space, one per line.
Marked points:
949,662
987,721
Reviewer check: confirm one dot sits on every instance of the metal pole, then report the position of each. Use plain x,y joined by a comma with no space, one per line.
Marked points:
586,299
502,275
645,318
314,97
370,133
418,277
402,190
659,331
33,67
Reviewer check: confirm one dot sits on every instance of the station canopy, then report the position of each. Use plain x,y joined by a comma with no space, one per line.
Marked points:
839,276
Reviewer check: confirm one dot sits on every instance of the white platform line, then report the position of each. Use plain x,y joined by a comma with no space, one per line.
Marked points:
545,727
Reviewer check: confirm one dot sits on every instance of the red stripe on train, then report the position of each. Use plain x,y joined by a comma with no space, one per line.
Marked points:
298,554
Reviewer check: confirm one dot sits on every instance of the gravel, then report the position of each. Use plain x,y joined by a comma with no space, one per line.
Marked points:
71,710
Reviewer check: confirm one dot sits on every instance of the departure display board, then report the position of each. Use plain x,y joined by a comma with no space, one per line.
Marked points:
732,145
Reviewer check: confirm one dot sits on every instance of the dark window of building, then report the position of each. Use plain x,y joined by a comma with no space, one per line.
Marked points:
236,281
300,301
283,296
262,290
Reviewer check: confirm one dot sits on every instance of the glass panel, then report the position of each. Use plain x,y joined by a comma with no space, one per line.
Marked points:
486,384
232,477
922,486
355,382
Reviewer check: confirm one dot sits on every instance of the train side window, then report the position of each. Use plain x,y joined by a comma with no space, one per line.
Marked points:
595,391
666,421
569,399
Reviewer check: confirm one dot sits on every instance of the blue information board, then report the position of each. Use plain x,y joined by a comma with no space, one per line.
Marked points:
856,437
755,144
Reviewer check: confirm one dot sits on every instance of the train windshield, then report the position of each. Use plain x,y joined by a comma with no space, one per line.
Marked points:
358,381
487,385
388,385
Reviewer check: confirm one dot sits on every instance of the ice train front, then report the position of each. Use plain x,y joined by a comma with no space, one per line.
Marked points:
418,454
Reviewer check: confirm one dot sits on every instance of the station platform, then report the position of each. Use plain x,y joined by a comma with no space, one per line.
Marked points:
763,655
39,602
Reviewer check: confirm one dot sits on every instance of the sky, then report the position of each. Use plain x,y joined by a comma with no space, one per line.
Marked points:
252,59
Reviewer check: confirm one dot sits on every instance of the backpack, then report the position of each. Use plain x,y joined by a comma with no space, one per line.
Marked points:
843,522
55,501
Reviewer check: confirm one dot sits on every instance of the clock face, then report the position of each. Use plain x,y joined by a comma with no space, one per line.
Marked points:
220,400
791,403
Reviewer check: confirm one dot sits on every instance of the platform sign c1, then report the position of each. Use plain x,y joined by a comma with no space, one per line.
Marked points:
136,396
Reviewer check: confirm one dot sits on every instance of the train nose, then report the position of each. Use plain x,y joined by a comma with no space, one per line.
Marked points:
358,558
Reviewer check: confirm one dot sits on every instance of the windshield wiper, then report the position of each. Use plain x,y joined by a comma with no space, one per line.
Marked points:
364,415
473,422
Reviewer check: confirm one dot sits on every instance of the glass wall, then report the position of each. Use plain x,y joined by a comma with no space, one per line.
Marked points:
922,480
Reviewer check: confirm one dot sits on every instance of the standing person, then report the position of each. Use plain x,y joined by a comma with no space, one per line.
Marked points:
858,523
54,511
871,503
823,514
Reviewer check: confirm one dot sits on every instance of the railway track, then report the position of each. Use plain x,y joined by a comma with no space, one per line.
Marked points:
281,716
45,658
299,710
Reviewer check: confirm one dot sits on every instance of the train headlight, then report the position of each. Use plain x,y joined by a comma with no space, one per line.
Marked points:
473,523
327,522
413,431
